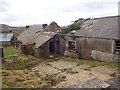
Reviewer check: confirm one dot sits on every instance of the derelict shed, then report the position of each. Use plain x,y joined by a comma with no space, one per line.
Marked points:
40,43
6,39
25,38
46,42
100,34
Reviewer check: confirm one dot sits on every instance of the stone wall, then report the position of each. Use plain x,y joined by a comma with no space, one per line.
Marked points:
62,45
104,56
43,51
86,45
71,54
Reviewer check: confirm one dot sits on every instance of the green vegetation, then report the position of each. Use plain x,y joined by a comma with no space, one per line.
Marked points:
53,79
22,78
10,50
17,70
93,63
13,60
88,68
73,36
69,70
20,62
70,28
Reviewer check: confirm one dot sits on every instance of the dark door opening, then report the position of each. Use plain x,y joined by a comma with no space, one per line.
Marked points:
52,47
57,47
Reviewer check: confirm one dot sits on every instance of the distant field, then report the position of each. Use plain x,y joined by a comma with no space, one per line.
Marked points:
10,50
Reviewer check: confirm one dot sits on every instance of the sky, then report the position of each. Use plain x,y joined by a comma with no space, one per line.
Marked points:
28,12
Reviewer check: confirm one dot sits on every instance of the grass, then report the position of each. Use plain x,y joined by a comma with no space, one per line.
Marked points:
29,79
93,63
69,70
20,62
53,79
10,50
26,62
18,74
88,68
21,79
13,60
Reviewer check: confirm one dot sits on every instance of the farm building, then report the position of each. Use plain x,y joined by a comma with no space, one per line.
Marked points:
6,39
24,38
40,43
97,38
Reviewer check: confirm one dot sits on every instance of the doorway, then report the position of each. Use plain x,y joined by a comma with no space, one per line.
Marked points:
52,47
57,47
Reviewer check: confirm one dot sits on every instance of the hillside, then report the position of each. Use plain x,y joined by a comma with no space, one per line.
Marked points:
7,28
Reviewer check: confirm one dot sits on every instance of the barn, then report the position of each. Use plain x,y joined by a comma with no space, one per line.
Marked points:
98,38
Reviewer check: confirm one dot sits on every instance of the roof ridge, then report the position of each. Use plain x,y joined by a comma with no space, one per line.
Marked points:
106,17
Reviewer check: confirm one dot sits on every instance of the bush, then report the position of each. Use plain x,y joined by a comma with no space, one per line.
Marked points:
70,28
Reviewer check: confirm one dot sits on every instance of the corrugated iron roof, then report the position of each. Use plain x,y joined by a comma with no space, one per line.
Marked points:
106,27
6,37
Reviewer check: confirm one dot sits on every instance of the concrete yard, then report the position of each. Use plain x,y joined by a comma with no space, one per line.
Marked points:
74,74
55,72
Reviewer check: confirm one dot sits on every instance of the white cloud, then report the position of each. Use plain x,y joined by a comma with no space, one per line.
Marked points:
23,12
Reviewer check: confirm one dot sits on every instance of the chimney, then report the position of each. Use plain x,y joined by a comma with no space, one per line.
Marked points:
27,27
44,26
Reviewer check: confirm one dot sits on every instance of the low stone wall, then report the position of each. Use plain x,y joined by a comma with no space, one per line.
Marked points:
103,56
